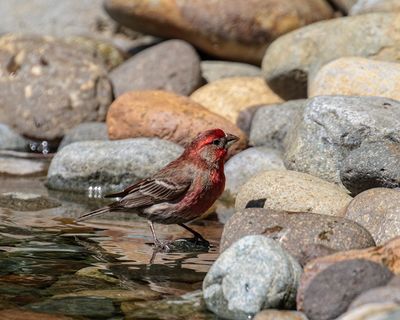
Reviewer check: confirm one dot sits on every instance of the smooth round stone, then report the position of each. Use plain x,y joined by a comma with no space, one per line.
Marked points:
255,273
331,128
48,86
378,210
292,191
271,123
288,68
167,116
385,294
26,201
104,165
370,6
357,76
374,311
172,65
10,166
228,97
248,163
296,231
86,131
272,314
10,140
373,164
236,30
213,70
338,285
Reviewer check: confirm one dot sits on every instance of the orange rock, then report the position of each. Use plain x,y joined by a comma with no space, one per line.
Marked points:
388,255
164,115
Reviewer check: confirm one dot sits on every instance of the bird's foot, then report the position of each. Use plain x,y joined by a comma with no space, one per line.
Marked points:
163,246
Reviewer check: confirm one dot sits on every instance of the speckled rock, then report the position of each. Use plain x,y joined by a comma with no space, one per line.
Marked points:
48,86
86,131
111,165
357,76
227,97
287,67
241,167
270,124
296,231
171,65
214,27
254,273
213,70
292,191
373,164
374,311
338,285
272,314
10,140
333,126
164,115
378,210
26,201
369,6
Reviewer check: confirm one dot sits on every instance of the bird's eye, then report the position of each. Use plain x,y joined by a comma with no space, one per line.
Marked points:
216,142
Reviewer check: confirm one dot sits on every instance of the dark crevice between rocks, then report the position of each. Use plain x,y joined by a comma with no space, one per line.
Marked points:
259,203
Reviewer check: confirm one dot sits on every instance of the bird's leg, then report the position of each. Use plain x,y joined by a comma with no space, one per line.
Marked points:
197,236
158,244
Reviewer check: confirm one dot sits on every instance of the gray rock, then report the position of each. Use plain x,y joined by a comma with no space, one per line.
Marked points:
85,132
110,165
369,6
338,285
296,231
171,65
372,165
26,201
385,294
293,58
255,273
48,86
271,123
374,311
215,70
10,140
333,126
242,166
10,166
378,210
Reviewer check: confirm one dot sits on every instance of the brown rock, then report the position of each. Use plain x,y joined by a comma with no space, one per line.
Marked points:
377,210
236,30
357,76
228,97
296,231
16,314
272,314
164,115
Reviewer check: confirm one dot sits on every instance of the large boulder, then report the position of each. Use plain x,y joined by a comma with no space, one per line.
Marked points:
368,6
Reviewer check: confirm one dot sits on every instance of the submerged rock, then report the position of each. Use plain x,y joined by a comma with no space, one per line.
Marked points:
10,166
26,201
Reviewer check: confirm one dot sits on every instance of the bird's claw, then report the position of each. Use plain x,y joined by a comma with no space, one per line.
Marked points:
164,246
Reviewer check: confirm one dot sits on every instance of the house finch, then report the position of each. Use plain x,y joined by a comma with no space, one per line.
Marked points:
181,191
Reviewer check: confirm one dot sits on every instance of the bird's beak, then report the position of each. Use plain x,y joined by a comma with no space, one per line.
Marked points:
230,140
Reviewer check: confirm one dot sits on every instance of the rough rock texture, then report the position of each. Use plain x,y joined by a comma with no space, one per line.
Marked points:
238,30
164,115
296,231
270,124
375,311
369,6
48,86
287,67
333,126
241,167
373,164
11,140
338,285
228,97
171,65
86,131
253,274
357,76
216,70
272,314
292,191
111,165
378,210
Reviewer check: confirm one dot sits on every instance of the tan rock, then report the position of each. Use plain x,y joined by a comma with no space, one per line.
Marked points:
164,115
293,191
235,29
272,314
228,97
368,6
356,76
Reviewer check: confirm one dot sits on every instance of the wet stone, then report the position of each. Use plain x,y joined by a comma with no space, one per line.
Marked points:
95,273
21,167
26,201
17,314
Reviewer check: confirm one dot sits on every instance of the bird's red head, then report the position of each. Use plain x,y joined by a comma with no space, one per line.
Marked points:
211,145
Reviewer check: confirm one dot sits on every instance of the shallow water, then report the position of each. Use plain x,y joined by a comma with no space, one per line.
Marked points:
104,268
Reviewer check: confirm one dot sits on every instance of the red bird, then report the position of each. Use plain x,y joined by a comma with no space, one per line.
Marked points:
181,191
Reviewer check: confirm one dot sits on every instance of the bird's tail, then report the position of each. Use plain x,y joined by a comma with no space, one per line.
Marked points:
94,213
